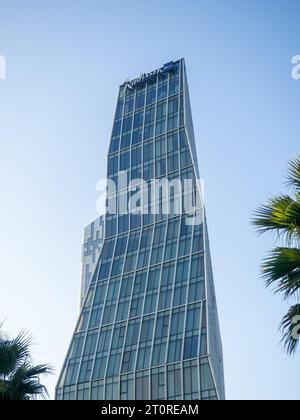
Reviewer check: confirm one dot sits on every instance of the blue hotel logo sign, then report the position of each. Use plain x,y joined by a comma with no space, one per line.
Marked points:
148,76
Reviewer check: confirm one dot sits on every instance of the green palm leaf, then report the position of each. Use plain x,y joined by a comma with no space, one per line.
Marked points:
282,269
290,326
14,352
19,378
280,214
293,177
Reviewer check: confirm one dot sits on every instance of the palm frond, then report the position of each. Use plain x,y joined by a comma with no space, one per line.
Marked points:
290,327
14,352
293,177
19,378
25,380
282,269
280,214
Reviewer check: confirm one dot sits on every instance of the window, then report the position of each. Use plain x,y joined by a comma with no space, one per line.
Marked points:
158,384
143,361
162,87
100,293
181,281
72,371
207,382
140,98
113,165
111,225
185,155
151,92
112,389
167,281
190,380
77,346
114,144
174,382
174,84
90,344
111,301
160,338
158,243
198,237
173,113
83,392
185,238
125,160
145,247
160,147
149,122
85,369
119,336
161,111
97,393
138,119
172,239
138,294
142,386
126,287
148,151
197,285
102,352
138,127
131,257
136,156
162,325
176,335
147,329
126,387
129,102
114,362
132,332
126,132
192,332
128,361
123,225
119,110
109,314
121,246
152,290
160,167
203,341
124,300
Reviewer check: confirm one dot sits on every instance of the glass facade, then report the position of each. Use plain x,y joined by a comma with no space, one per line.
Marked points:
92,241
148,326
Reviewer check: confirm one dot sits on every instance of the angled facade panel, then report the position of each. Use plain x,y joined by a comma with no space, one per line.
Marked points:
92,240
148,327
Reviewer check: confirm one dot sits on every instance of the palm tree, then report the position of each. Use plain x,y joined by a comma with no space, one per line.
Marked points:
281,269
19,378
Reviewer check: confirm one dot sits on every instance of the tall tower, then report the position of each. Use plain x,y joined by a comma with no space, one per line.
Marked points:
92,242
148,327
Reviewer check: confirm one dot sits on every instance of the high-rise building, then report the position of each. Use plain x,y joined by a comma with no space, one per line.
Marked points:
92,240
148,327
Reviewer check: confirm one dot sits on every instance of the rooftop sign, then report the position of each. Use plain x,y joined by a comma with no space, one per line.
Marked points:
148,76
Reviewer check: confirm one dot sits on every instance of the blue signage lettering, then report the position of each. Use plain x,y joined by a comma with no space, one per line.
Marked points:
148,76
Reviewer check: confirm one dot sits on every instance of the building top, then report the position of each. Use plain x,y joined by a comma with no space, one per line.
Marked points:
144,77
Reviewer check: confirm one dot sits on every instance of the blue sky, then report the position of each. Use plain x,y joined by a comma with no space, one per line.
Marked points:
65,60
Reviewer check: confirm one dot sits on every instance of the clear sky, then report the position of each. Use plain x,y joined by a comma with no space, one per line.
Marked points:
65,60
